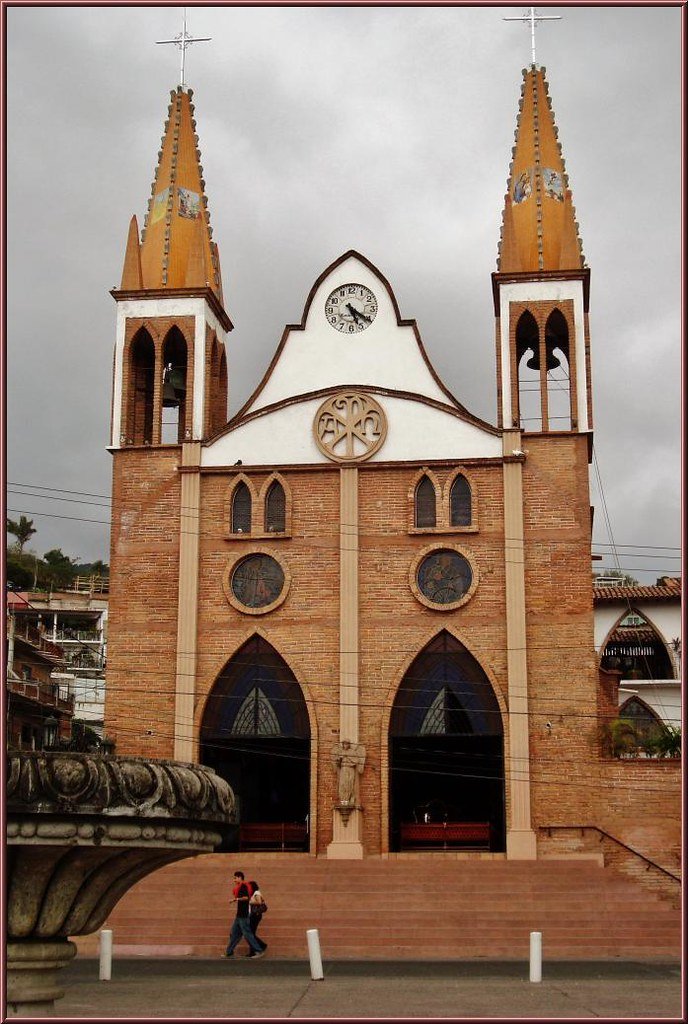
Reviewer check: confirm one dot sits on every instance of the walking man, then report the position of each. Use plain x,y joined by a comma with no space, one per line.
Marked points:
241,928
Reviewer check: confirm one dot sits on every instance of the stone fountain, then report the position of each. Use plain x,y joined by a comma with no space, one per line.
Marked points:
82,829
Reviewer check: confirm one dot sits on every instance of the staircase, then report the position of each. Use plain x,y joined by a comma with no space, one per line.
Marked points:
434,906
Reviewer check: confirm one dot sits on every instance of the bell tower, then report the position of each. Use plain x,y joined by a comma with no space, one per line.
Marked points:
170,372
541,287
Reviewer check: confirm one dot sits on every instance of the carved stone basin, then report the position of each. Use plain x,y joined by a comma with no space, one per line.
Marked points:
81,830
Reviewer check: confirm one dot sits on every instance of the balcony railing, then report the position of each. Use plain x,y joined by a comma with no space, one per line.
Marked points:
54,695
39,640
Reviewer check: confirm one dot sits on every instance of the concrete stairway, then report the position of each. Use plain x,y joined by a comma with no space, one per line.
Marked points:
429,907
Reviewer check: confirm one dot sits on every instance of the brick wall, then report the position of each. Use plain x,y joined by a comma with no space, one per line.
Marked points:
394,625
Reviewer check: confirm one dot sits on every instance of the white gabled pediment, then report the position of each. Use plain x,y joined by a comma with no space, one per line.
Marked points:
415,430
314,355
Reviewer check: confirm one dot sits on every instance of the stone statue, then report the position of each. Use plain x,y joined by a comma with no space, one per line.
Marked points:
349,759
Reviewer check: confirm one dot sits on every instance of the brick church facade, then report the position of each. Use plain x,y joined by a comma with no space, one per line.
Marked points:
364,606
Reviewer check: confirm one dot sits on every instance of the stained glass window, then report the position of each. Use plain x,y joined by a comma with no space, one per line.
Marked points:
256,716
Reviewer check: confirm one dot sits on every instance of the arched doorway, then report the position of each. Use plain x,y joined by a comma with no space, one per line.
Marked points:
255,733
446,745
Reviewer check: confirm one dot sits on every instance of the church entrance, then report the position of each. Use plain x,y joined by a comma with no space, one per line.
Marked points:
255,733
446,754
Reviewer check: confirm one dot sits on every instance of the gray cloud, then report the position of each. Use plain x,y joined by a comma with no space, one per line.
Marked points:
388,130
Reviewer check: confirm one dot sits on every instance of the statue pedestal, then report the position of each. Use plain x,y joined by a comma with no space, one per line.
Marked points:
32,976
346,834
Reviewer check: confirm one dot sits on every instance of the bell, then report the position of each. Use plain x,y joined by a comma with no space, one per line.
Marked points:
174,387
552,361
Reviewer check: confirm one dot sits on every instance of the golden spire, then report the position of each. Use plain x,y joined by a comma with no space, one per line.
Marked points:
176,248
539,229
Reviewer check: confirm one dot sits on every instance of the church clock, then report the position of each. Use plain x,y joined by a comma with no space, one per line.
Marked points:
351,308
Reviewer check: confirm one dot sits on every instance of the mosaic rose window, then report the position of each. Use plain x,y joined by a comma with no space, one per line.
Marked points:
444,577
257,581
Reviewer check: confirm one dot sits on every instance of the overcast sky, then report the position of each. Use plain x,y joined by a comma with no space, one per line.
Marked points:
386,130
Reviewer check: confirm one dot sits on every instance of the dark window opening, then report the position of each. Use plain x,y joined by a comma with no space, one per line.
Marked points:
275,509
425,504
241,509
460,502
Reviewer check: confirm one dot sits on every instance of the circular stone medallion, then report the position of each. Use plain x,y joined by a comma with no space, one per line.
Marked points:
349,427
444,578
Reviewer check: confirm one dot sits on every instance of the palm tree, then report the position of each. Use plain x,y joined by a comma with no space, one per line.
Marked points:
22,530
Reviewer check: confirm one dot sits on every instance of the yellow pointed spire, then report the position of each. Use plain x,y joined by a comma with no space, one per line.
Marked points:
177,250
132,279
539,229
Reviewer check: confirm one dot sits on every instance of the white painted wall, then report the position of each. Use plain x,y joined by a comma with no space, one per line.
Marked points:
414,431
384,354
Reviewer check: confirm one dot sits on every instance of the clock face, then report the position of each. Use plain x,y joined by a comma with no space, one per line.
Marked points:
444,577
257,581
351,308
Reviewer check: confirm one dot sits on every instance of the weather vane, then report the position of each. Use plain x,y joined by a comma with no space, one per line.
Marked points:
184,41
534,18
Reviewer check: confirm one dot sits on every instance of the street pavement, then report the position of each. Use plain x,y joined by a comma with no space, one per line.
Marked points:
264,988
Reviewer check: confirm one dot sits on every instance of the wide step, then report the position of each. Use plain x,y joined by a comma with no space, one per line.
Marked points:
381,909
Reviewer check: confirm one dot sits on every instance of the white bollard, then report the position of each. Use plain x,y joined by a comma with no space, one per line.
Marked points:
314,954
105,955
536,956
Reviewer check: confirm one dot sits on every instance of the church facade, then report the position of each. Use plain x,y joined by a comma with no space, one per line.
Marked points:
367,608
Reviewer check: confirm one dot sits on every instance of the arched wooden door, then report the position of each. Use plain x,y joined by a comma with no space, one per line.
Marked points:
446,751
255,733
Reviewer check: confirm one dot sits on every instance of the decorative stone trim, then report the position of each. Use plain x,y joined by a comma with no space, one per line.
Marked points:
87,784
349,427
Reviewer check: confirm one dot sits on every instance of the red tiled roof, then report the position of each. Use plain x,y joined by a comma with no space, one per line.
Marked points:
668,588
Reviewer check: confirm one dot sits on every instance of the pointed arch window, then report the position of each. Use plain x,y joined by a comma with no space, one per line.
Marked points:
425,504
256,716
275,508
241,509
143,376
460,510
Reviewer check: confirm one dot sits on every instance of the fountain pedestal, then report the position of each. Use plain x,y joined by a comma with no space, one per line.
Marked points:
81,830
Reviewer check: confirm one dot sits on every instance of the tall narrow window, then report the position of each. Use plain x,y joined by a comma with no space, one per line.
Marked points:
275,509
142,374
426,514
174,388
460,502
241,509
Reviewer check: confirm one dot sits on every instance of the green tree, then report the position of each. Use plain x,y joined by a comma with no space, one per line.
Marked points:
60,569
22,530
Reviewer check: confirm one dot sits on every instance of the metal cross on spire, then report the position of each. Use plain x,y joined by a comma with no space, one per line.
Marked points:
534,18
184,41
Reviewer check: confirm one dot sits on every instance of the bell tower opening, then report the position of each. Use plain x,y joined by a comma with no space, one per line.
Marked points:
174,383
142,372
528,363
558,372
